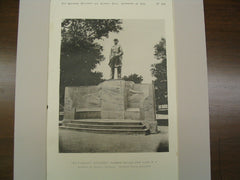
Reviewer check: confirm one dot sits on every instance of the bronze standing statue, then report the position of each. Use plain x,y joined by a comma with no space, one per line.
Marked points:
115,59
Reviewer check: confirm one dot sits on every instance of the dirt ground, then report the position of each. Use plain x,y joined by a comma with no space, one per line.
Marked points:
72,141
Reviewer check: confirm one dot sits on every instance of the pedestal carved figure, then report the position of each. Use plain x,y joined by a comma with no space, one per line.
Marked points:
112,104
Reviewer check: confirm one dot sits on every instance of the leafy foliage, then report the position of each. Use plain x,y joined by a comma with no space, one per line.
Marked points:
134,77
159,71
160,50
80,53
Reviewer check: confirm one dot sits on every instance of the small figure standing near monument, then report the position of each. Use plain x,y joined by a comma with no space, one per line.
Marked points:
115,59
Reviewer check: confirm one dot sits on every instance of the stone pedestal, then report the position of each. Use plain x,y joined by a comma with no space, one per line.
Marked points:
113,99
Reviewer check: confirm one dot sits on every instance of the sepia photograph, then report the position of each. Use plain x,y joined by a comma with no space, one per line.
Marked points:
113,91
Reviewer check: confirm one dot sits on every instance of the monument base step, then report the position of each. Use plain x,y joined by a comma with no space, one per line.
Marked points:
106,126
96,126
109,131
105,121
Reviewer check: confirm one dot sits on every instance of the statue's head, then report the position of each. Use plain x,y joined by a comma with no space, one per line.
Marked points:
115,41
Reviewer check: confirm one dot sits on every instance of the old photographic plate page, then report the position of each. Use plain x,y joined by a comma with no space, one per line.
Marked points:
111,91
31,99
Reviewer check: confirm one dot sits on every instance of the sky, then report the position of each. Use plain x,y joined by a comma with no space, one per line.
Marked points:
137,40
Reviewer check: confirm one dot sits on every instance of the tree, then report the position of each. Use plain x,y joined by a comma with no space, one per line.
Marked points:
80,53
134,77
159,71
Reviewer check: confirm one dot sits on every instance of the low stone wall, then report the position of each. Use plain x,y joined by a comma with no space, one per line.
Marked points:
112,99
